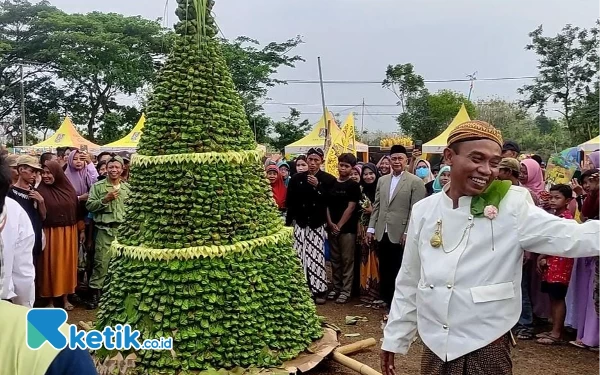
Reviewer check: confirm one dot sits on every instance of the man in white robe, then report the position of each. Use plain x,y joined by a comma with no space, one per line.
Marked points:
460,281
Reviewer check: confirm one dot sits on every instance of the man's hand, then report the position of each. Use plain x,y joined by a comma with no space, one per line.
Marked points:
387,363
81,237
403,239
416,154
335,230
369,238
111,196
84,197
312,180
542,263
34,194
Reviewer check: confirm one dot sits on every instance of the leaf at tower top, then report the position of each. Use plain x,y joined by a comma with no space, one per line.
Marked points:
194,107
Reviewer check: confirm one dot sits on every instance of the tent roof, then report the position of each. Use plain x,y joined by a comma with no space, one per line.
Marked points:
66,136
439,143
591,145
130,141
316,138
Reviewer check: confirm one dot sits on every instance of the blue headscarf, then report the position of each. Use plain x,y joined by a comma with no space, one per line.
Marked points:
437,184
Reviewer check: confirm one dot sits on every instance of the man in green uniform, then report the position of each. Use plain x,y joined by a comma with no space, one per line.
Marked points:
106,202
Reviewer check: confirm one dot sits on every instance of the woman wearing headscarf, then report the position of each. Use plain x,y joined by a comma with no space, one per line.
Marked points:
81,173
423,171
369,264
284,171
591,161
384,166
582,295
58,267
442,179
355,173
277,186
531,177
301,164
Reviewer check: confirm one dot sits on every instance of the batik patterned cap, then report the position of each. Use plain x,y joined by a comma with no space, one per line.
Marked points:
475,129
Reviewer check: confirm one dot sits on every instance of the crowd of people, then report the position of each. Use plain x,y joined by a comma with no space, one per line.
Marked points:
358,222
63,209
61,212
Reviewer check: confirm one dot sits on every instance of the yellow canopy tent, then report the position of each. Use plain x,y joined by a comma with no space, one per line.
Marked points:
439,143
316,138
591,145
66,136
130,141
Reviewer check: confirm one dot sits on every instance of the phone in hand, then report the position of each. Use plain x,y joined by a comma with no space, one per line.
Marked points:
418,145
83,148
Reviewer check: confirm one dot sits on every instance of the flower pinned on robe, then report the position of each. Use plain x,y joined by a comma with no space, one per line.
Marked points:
492,196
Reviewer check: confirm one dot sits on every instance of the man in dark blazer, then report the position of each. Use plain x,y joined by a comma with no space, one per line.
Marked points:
395,195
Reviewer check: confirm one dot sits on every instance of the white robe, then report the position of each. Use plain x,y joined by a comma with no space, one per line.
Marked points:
466,299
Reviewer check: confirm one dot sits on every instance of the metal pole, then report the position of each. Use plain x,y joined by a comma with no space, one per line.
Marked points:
23,129
362,118
472,78
327,124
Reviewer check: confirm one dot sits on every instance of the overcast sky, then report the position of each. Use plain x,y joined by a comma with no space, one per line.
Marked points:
357,39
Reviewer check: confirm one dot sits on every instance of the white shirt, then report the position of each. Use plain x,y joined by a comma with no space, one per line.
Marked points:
19,274
393,183
465,299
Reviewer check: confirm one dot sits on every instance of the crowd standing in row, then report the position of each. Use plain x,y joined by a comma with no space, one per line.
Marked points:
362,217
62,214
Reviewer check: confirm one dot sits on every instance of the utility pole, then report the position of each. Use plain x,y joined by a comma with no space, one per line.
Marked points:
23,129
362,118
472,78
327,124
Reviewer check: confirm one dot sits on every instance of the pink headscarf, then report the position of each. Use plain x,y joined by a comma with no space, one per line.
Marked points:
535,178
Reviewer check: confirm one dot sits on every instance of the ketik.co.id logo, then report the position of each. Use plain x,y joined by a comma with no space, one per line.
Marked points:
45,325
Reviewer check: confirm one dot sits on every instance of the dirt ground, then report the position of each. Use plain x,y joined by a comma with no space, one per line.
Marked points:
529,358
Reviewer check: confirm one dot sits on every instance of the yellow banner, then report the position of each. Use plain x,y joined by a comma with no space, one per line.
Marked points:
349,135
343,143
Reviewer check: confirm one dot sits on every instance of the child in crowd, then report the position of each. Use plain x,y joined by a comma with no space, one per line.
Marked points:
343,223
556,271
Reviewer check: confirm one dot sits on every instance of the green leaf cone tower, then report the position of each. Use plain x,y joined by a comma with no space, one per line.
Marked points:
204,256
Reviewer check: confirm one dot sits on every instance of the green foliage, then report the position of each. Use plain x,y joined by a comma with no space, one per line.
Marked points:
427,115
198,205
289,130
585,119
403,82
516,124
568,68
116,124
101,55
243,308
239,310
252,69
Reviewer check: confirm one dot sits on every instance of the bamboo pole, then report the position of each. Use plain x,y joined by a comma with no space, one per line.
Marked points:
356,346
353,364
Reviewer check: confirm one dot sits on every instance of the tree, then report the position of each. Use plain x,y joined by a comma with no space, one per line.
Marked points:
252,69
116,124
403,82
568,67
517,125
101,55
289,130
427,115
585,116
22,44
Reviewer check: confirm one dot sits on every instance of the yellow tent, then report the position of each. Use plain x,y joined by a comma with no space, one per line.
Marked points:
67,136
130,141
439,143
591,145
316,138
